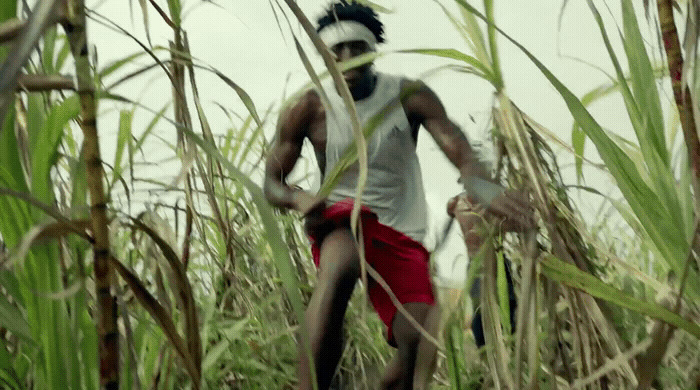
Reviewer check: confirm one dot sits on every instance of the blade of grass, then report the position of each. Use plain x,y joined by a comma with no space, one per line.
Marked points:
118,64
11,318
643,82
123,137
45,150
491,31
241,94
47,52
8,375
159,314
568,274
646,117
185,296
455,54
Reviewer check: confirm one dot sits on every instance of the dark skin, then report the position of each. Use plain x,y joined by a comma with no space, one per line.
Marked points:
412,366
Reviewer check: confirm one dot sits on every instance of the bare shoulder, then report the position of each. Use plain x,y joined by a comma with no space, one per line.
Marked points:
419,100
299,115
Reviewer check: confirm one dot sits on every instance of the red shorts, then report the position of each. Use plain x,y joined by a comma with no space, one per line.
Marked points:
400,260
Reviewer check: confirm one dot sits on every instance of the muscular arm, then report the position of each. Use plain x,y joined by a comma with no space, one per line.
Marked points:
293,127
425,108
423,105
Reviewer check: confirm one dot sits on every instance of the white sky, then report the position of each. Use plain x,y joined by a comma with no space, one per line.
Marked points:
243,41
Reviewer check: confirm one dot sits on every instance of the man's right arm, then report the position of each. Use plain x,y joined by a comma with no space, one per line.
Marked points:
292,128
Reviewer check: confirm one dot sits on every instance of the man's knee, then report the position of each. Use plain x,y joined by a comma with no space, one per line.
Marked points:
405,332
339,255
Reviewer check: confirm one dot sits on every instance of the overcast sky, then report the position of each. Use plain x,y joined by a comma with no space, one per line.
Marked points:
242,40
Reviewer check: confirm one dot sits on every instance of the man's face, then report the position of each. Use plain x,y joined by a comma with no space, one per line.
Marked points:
344,51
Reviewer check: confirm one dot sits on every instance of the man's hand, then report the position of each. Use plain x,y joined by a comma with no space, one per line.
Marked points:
513,208
307,203
312,208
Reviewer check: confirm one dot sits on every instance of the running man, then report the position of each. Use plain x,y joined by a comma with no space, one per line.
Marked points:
394,217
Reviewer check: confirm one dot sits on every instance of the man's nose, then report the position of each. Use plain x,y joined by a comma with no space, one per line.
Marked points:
344,53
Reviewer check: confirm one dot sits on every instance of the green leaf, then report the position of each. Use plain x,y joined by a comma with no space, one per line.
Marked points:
15,214
8,376
241,94
9,153
643,82
175,11
578,136
62,54
570,275
36,116
233,145
578,142
495,62
9,281
45,152
48,49
79,190
11,318
214,354
503,299
123,136
114,66
644,87
664,181
455,55
8,10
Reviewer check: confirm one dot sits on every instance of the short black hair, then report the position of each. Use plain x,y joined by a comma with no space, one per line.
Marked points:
344,10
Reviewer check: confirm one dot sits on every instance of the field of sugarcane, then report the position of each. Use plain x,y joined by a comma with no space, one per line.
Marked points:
111,277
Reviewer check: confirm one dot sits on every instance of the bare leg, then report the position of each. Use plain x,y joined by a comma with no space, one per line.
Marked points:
339,270
401,369
427,351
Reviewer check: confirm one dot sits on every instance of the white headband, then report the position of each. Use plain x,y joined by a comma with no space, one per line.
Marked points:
347,31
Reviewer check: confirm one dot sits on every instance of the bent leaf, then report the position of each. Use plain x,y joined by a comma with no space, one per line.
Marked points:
571,276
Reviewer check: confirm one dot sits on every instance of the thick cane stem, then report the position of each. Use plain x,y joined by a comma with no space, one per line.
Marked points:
107,332
681,92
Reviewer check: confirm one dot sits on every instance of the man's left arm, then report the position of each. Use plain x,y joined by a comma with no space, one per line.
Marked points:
423,105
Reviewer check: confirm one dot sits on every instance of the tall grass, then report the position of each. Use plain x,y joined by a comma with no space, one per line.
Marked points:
210,282
596,341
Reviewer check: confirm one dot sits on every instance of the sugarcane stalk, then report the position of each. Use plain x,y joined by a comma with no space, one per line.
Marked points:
107,332
681,93
182,115
44,82
662,333
10,29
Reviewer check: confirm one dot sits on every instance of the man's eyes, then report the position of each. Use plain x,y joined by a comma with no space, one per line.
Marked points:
355,47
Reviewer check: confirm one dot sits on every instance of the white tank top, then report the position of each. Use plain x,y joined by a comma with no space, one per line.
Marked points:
394,188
